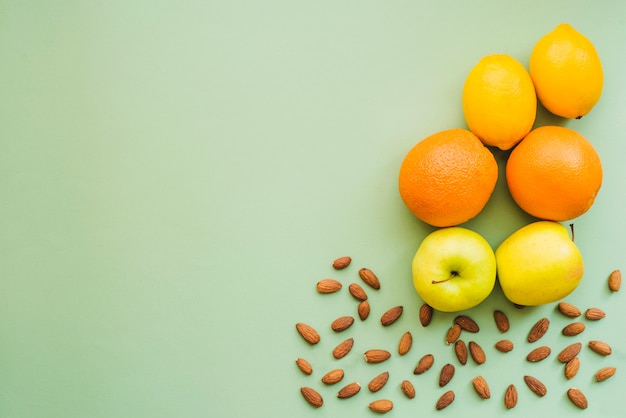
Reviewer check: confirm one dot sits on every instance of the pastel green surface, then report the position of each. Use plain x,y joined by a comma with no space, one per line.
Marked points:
175,177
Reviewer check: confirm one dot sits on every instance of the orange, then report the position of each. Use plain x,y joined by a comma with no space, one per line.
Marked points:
554,173
447,178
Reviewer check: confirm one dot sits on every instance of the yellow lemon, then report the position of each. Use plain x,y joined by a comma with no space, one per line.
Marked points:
567,72
499,101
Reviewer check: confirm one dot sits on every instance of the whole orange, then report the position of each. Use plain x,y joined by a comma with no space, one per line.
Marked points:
554,173
448,177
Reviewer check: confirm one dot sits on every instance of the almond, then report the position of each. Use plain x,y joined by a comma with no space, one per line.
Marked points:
577,398
312,396
343,348
376,356
308,333
466,323
381,406
502,321
328,286
445,400
349,390
605,373
569,352
572,329
600,347
594,314
406,341
571,368
535,385
304,365
539,354
510,397
378,382
453,334
568,310
391,316
425,363
408,389
460,349
504,345
425,314
538,330
369,278
332,377
357,292
342,262
481,387
477,352
342,323
446,374
363,310
615,280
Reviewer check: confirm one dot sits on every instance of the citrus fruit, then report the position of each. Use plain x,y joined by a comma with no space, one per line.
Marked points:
554,173
447,178
499,101
567,72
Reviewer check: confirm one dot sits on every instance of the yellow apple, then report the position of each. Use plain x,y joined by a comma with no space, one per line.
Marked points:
539,263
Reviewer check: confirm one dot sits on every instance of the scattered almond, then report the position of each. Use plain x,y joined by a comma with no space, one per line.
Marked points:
343,348
453,334
502,321
568,310
332,377
605,373
504,345
481,387
446,374
342,263
615,280
308,333
328,286
460,349
577,398
538,354
408,389
349,390
600,347
571,368
304,365
381,406
376,356
477,352
364,310
312,396
538,330
425,314
357,292
378,382
535,385
391,316
342,323
406,341
510,397
594,314
569,352
445,400
369,278
466,323
425,363
572,329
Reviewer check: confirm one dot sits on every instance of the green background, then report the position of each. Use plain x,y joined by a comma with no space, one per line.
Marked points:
175,177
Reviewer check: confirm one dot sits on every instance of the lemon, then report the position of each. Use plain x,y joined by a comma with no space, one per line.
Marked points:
499,101
567,72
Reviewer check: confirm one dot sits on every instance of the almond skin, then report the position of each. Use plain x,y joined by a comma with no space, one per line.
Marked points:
572,329
408,389
445,400
406,341
454,332
594,314
538,354
460,349
504,346
357,292
376,356
304,365
343,348
510,397
308,333
502,321
369,278
571,368
425,314
381,406
605,373
328,286
477,353
615,280
312,396
391,316
333,377
569,310
342,323
424,364
446,374
569,352
600,347
349,390
538,330
378,382
363,310
481,387
535,385
577,398
467,324
342,262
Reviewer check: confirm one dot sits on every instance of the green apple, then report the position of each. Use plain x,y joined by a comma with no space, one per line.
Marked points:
454,269
539,264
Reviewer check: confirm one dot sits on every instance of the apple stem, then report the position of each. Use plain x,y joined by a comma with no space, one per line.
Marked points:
571,226
452,275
